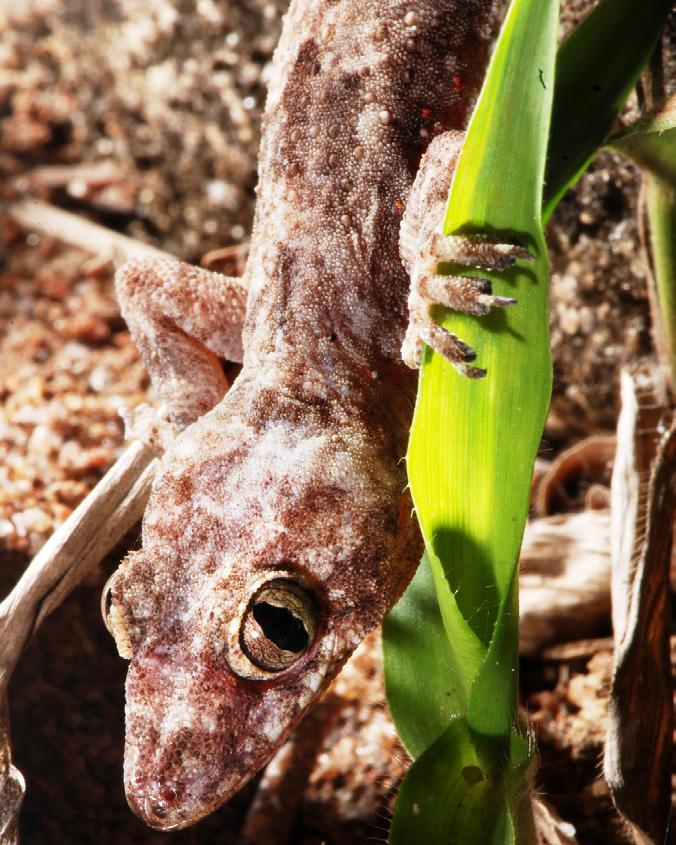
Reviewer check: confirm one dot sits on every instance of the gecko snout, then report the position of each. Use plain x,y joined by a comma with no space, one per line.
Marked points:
159,805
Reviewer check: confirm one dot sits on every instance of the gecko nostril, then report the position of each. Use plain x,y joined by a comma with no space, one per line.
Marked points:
160,800
160,810
169,794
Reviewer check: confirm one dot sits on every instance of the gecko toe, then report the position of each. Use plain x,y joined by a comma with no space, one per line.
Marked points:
466,294
470,372
412,347
423,328
474,251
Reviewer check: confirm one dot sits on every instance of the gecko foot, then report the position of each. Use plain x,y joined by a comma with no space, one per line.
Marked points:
466,294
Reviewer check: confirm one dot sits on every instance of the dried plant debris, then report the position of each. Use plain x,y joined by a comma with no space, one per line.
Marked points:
564,580
158,105
638,752
578,478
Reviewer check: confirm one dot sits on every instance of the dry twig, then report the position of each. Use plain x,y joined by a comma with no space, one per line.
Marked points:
39,216
90,532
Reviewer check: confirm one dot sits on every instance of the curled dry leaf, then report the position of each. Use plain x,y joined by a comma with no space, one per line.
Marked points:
573,479
12,785
637,760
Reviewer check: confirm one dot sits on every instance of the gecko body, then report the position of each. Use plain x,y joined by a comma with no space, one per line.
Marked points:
279,532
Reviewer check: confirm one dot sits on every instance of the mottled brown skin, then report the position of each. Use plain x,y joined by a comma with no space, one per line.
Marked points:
298,470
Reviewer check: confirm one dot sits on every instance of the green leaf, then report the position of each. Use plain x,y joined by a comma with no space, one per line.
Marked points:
469,473
465,805
488,713
596,68
651,143
661,207
419,673
462,804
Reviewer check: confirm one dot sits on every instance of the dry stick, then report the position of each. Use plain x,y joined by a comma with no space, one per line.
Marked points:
90,532
82,233
77,231
88,535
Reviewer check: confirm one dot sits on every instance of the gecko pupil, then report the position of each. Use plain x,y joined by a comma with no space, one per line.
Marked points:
280,626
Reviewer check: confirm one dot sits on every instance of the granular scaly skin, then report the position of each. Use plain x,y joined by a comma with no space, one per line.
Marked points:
297,472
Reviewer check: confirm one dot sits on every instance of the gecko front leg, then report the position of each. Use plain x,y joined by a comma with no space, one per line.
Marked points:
183,319
423,247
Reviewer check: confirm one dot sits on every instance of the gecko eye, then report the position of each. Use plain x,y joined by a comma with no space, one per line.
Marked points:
106,602
279,625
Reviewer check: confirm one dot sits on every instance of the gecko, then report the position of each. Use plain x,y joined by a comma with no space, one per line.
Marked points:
279,529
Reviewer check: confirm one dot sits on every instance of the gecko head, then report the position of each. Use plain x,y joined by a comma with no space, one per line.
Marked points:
261,570
209,700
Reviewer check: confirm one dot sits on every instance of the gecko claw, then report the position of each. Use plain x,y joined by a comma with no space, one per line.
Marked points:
471,372
502,301
424,329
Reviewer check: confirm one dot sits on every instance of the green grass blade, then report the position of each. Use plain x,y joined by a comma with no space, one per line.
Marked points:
569,150
596,68
651,143
489,713
469,473
473,444
419,672
463,804
468,804
661,208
